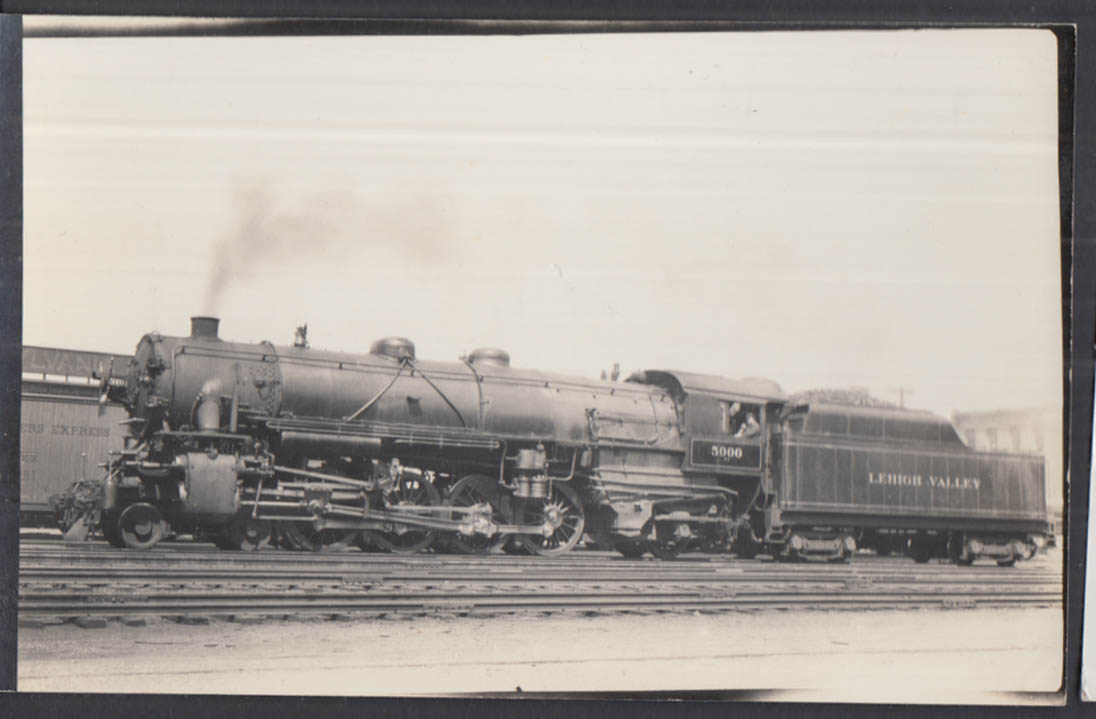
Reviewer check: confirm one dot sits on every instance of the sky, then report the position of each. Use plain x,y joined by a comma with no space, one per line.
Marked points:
825,209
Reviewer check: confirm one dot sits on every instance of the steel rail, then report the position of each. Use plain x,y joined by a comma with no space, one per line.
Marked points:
380,562
240,574
540,602
429,574
575,558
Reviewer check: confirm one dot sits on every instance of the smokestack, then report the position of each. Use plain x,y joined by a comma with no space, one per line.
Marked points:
204,327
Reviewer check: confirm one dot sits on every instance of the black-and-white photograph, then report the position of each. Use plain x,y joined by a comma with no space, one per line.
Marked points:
552,363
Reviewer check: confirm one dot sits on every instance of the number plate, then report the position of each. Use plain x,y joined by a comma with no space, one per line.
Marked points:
725,454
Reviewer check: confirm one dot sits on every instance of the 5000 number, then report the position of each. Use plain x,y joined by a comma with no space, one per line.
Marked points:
725,452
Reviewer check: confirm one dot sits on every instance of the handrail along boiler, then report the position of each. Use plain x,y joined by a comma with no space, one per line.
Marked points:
243,442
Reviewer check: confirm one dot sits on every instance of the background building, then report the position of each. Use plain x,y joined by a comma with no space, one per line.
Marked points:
1029,431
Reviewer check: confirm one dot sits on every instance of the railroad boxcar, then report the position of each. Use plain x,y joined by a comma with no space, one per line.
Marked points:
65,435
887,479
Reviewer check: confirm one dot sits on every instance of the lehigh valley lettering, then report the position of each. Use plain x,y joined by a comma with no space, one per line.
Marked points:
917,480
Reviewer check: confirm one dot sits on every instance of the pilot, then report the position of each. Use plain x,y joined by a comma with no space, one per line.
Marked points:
749,428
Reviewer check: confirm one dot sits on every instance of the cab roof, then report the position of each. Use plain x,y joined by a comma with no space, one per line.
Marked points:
684,383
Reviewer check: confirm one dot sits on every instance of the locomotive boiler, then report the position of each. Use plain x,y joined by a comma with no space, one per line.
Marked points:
241,441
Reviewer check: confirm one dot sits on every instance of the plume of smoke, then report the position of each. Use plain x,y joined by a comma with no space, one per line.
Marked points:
402,228
264,235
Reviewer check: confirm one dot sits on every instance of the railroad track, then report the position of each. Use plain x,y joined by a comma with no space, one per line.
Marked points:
195,582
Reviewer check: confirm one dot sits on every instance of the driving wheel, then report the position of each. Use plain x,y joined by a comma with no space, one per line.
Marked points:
479,490
561,517
411,491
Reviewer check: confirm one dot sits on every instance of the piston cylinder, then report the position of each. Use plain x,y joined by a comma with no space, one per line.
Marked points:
211,494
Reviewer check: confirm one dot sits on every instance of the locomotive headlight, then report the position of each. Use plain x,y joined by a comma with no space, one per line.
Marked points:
849,544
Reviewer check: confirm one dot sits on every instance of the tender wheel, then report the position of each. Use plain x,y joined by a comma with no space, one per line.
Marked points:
920,550
561,512
108,524
1006,562
848,550
141,526
304,535
473,490
247,534
410,491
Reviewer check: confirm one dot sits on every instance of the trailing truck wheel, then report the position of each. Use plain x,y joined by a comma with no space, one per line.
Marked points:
631,548
746,545
141,526
665,549
410,491
108,524
561,512
221,541
473,490
515,548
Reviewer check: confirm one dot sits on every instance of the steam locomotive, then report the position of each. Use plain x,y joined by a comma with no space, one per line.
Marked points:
244,442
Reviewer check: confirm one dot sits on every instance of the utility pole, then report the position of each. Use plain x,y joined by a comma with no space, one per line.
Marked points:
902,391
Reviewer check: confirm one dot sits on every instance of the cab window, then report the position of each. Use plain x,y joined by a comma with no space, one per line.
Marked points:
741,419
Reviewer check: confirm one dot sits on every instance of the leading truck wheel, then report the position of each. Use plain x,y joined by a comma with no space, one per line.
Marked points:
303,535
479,490
247,534
108,523
141,526
561,516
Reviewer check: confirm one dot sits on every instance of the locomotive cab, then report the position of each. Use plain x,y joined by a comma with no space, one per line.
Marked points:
726,426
